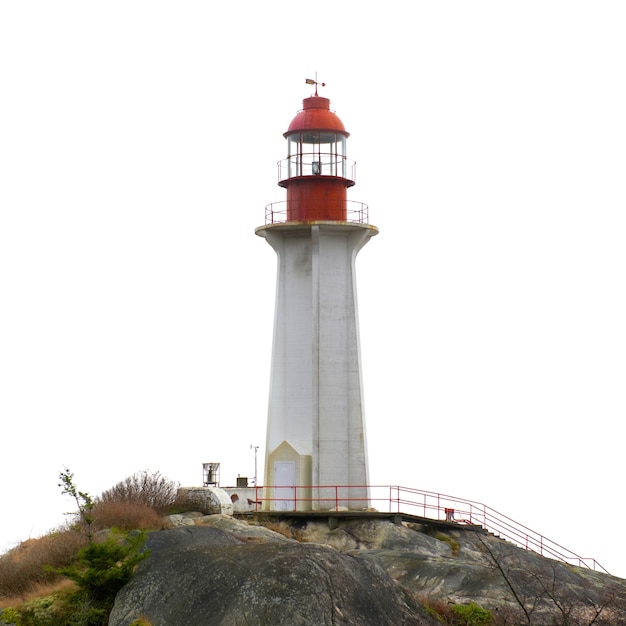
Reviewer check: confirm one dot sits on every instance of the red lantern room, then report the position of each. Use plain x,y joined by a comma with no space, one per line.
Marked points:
316,172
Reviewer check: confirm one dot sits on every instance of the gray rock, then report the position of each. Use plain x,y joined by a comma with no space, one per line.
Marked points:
241,530
205,576
223,571
179,520
478,567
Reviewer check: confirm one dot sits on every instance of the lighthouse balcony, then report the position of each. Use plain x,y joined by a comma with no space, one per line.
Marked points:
317,164
354,212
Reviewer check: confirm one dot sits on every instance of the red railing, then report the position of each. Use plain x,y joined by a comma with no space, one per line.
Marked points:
425,504
356,212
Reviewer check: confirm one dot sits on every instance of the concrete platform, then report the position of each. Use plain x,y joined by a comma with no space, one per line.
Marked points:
334,517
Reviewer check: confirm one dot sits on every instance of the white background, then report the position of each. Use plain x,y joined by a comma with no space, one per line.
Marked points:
138,148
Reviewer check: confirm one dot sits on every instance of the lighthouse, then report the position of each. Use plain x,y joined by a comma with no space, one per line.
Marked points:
316,449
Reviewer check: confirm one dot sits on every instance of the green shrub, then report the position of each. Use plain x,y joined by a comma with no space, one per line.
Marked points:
9,615
68,609
40,612
103,568
471,614
99,569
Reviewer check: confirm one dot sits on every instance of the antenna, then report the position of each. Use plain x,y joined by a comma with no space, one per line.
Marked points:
310,81
255,448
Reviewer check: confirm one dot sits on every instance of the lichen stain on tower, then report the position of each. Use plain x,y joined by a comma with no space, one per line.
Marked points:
316,450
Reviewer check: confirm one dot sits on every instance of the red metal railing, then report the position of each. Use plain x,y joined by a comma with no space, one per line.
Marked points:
426,504
357,212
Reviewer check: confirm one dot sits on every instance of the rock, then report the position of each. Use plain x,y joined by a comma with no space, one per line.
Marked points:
179,520
241,530
300,571
205,576
462,566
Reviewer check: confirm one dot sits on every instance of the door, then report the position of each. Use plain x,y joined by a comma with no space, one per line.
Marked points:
284,485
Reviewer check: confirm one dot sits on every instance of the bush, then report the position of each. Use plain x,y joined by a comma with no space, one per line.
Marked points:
22,568
69,609
103,568
44,611
125,516
99,570
97,567
471,614
148,489
457,614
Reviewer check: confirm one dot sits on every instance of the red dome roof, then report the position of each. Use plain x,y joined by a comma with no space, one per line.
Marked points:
316,115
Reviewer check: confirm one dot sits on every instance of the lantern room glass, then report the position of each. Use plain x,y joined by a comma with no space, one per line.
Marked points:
316,153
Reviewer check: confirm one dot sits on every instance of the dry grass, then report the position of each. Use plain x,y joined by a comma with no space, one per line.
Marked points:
286,531
125,516
47,589
22,568
25,570
440,610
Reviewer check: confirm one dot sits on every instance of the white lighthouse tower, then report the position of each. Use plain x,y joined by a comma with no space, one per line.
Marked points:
316,450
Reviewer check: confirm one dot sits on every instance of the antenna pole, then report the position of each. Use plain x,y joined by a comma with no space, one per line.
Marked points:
255,448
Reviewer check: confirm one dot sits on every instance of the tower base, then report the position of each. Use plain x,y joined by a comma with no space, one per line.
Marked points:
316,449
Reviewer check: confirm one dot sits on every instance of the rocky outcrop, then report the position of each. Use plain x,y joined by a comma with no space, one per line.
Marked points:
206,576
227,572
459,564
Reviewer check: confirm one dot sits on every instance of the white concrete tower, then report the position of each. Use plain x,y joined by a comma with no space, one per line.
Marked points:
316,450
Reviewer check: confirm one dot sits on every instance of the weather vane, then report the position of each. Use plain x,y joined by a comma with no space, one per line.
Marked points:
310,81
